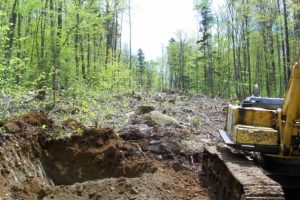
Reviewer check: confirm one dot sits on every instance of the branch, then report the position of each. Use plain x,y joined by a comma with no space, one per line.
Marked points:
69,32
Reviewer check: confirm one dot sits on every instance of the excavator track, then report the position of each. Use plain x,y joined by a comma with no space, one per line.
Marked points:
236,178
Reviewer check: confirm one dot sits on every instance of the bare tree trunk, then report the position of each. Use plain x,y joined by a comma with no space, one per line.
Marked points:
10,36
76,42
236,71
268,88
181,62
41,64
297,20
211,70
19,55
88,66
120,42
248,53
82,57
53,49
130,34
109,33
95,52
58,44
285,66
115,34
287,45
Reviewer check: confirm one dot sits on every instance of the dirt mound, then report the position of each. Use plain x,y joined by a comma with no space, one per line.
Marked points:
21,123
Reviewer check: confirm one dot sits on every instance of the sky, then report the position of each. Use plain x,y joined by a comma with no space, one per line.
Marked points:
154,22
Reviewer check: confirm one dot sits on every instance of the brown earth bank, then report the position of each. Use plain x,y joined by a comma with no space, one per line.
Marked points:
142,161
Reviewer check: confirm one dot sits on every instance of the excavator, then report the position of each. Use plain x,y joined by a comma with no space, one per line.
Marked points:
261,155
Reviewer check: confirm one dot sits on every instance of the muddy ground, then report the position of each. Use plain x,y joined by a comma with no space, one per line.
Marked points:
152,152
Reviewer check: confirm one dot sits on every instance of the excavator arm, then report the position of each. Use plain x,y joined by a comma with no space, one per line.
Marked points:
290,120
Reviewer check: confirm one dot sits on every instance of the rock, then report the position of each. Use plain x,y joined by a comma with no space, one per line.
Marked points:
169,91
144,109
171,146
159,97
160,119
41,95
99,196
131,133
181,98
12,127
128,183
130,114
155,149
79,188
134,132
177,166
137,96
134,191
172,101
91,194
187,110
154,142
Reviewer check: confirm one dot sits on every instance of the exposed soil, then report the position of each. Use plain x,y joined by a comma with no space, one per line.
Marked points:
141,161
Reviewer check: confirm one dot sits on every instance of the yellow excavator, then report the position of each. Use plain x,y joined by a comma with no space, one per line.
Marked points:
267,129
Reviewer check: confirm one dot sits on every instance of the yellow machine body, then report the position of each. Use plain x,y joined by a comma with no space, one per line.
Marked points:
251,125
259,127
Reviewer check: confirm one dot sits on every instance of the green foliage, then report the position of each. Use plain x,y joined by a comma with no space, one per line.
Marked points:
195,121
82,50
240,45
141,65
3,40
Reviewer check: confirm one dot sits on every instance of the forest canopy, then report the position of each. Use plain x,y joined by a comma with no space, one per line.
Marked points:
68,44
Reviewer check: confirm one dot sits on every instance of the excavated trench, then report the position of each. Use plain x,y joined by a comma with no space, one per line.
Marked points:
96,154
32,161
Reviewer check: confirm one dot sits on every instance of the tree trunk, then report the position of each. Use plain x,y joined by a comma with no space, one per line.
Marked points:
285,66
88,66
82,57
287,45
76,46
19,55
130,34
10,36
53,49
58,44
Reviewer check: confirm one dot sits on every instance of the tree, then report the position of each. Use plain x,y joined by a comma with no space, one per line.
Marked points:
10,37
203,7
141,65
